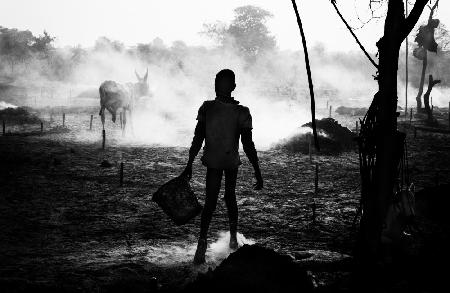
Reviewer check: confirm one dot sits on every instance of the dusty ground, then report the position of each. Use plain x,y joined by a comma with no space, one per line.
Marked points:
67,224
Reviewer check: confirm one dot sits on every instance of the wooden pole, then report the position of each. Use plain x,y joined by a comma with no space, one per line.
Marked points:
431,103
308,72
448,114
4,127
104,138
42,126
316,192
316,180
64,119
406,65
356,127
309,148
410,115
121,173
329,115
90,123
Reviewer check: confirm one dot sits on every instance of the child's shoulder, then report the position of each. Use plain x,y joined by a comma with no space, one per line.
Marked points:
243,109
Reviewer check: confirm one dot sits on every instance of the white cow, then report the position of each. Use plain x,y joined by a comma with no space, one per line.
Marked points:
116,97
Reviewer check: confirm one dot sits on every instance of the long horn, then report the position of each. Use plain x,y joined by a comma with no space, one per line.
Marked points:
137,75
146,75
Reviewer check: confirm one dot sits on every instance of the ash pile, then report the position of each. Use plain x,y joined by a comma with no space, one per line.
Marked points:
254,268
333,139
19,115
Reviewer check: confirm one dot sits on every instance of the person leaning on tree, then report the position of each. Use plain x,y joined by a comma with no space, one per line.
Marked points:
220,122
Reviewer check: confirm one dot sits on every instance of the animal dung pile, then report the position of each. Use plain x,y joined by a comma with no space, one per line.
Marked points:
342,110
254,268
333,139
19,115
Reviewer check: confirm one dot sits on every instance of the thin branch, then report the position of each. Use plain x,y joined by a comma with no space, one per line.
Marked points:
308,71
412,18
353,34
432,10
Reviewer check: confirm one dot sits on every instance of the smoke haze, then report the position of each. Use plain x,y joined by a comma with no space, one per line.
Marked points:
274,86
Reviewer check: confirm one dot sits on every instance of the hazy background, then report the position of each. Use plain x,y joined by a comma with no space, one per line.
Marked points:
184,43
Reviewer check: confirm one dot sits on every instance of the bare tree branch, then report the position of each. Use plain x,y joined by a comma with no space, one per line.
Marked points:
353,34
413,17
308,71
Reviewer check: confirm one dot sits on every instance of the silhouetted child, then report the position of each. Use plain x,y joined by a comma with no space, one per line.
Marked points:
220,123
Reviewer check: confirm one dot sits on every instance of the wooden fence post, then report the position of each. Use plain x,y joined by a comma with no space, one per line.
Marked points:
316,192
104,138
410,116
90,123
64,119
448,114
4,127
356,127
329,115
121,173
42,126
309,148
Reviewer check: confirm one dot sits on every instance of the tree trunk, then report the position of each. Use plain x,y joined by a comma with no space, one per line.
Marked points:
424,63
422,81
426,97
381,135
386,118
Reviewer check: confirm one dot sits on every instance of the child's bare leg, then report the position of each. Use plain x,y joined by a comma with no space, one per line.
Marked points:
230,201
213,179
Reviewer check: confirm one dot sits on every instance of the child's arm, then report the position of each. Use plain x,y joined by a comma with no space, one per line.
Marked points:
252,155
197,141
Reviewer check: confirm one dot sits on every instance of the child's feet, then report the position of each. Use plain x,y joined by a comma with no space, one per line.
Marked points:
199,257
233,242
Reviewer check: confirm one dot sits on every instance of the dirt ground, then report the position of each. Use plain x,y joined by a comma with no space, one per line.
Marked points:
67,225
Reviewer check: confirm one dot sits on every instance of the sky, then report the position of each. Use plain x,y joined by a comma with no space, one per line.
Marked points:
81,22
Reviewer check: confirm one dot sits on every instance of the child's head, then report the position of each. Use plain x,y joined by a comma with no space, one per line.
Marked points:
225,82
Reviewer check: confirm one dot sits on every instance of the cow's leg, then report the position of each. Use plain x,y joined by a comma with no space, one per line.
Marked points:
131,122
102,115
124,117
113,113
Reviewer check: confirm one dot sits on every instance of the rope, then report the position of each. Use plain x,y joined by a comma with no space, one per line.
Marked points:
353,34
308,71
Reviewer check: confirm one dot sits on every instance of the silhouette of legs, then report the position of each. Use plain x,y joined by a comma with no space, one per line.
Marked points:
213,181
230,201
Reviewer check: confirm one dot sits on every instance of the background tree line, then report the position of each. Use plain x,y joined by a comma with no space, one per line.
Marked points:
246,36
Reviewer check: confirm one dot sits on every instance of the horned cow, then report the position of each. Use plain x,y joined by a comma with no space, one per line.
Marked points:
116,97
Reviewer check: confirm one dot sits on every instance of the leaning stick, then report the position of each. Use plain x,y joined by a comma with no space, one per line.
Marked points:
308,71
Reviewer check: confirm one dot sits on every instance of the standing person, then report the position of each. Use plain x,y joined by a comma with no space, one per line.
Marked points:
220,123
